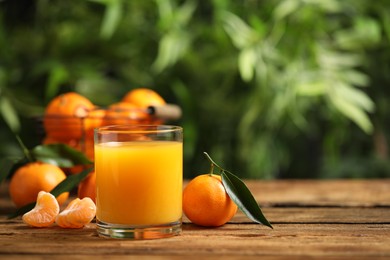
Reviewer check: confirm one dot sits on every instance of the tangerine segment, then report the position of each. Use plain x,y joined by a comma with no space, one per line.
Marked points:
45,211
77,214
206,203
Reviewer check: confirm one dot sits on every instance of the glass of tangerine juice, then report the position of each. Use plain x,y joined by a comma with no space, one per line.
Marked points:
139,178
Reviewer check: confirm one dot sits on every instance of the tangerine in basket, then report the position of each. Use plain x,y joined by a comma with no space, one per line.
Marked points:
143,98
206,203
64,114
121,113
45,211
89,147
77,214
31,178
94,119
87,188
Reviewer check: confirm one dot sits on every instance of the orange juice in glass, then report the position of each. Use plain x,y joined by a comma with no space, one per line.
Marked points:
139,176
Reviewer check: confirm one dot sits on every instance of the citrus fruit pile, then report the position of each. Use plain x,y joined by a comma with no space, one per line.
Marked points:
33,182
70,118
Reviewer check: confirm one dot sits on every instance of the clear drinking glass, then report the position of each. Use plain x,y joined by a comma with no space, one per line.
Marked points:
139,178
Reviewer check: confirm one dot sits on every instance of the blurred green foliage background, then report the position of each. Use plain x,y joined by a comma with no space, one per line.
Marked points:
270,89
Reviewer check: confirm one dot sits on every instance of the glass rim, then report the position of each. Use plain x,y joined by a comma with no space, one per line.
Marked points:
138,129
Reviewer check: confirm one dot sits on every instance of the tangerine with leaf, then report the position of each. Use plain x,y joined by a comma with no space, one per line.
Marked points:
212,200
33,177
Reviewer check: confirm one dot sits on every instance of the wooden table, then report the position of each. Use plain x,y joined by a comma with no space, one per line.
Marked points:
326,219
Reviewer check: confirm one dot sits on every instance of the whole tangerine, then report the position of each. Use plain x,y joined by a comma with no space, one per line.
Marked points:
87,188
206,203
94,120
121,113
89,149
64,114
143,98
31,178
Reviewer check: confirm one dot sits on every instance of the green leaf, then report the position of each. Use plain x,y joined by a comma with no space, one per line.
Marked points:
335,60
355,77
355,96
65,186
185,13
61,155
165,9
365,33
241,34
9,114
172,47
70,182
25,150
314,88
285,8
353,112
247,63
112,16
243,198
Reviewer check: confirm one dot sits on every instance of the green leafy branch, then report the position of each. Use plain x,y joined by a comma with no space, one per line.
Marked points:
59,154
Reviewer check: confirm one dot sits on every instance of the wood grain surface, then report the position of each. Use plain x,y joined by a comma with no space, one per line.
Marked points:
335,219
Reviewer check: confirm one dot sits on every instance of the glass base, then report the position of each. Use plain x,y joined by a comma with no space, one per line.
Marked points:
109,230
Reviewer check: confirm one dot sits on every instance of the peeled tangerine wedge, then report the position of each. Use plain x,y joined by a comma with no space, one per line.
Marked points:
77,214
45,211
